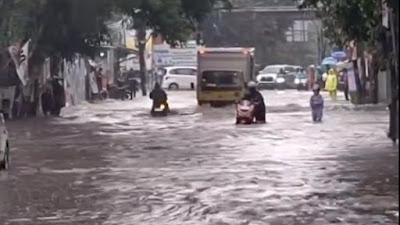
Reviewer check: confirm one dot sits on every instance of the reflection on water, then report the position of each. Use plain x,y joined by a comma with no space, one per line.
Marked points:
112,164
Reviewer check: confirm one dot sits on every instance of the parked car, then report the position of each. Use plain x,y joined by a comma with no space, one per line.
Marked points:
268,77
4,145
301,81
175,78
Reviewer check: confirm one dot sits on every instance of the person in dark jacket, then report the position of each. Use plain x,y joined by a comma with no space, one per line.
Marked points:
159,97
133,83
256,97
59,97
346,84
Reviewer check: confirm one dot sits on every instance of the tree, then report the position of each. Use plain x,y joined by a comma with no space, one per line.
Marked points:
348,20
263,3
361,21
175,20
56,28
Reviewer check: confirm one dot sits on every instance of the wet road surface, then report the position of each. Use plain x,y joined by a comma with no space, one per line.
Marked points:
112,164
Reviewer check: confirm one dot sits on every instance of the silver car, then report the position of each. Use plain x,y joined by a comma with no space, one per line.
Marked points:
4,145
268,77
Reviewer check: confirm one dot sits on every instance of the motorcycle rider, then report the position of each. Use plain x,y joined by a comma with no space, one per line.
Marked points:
256,97
159,97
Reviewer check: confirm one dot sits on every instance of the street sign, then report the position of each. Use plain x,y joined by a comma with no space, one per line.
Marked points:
164,55
385,14
20,59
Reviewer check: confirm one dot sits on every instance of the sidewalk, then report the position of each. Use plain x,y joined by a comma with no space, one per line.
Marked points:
342,104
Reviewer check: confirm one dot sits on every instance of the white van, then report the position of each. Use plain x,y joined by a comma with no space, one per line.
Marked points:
179,77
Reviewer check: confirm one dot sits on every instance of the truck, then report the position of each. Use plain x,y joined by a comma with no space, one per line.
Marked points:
222,74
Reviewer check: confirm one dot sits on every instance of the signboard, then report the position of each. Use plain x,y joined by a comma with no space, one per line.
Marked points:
184,56
22,67
163,55
385,14
20,60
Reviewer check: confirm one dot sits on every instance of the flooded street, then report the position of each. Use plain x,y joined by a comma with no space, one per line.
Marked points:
111,163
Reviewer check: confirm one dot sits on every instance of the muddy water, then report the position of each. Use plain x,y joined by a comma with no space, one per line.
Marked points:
112,164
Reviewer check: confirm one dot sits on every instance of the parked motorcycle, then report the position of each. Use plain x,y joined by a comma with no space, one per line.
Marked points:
119,92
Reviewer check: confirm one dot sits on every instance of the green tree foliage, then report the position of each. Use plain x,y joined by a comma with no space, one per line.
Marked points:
13,17
262,3
348,20
66,27
56,27
175,20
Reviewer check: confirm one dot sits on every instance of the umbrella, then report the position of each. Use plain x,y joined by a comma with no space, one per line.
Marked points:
329,61
339,55
343,65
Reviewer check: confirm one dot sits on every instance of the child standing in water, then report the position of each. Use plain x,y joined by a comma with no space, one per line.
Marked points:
317,104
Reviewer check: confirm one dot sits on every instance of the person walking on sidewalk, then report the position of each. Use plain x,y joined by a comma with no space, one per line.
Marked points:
331,84
133,83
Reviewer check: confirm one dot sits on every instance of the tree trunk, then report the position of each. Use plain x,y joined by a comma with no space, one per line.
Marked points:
356,97
35,71
393,123
393,126
141,37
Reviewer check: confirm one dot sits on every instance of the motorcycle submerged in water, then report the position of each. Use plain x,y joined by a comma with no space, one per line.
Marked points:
245,112
160,110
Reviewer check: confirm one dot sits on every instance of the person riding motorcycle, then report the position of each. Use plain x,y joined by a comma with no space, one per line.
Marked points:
256,97
159,97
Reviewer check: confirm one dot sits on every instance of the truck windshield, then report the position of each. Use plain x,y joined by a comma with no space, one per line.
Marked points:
221,80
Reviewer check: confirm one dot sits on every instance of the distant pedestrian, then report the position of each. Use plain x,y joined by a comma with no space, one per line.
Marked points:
331,84
281,72
99,78
133,83
346,84
311,77
317,104
318,77
298,72
134,88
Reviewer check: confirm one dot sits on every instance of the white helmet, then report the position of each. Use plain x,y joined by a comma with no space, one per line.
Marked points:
251,84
